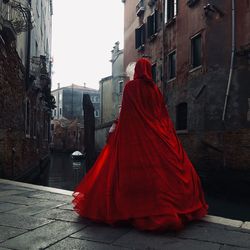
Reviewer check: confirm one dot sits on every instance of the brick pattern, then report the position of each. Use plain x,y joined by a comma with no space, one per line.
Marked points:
18,153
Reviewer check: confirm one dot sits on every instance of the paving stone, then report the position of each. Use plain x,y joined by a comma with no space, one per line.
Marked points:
246,225
217,235
9,187
9,232
63,215
6,207
37,208
21,221
100,232
43,237
223,221
67,207
71,243
8,193
51,196
148,240
20,200
226,247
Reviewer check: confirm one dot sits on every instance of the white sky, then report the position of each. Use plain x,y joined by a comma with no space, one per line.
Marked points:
83,35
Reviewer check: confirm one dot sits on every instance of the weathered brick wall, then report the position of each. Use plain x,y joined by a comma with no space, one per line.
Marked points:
18,154
214,150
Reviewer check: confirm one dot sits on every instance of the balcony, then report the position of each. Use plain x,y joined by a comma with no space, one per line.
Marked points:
140,8
40,71
16,14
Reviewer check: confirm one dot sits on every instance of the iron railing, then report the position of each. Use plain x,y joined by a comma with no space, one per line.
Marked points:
17,13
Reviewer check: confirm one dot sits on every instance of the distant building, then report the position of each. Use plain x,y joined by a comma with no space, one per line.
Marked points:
67,126
111,87
107,104
69,102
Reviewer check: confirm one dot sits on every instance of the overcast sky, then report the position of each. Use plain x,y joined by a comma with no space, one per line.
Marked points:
83,35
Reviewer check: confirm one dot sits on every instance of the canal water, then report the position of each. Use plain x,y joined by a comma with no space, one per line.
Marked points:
62,174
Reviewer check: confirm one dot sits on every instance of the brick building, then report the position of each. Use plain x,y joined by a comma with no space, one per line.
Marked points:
25,106
200,51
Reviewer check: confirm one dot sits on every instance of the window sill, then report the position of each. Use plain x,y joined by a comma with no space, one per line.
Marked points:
170,21
182,132
195,69
141,48
171,80
152,37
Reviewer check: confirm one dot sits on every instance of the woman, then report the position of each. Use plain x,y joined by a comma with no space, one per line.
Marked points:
143,175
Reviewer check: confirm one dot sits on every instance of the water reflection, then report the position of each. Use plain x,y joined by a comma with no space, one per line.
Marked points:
62,173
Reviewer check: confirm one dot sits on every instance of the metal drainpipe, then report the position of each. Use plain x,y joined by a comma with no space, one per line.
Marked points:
232,61
229,82
28,49
163,50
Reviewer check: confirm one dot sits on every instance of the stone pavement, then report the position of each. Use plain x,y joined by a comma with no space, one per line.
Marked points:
37,217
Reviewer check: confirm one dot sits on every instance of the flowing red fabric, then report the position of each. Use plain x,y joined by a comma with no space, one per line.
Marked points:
143,175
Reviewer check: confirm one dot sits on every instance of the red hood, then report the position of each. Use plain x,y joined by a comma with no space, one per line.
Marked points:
143,70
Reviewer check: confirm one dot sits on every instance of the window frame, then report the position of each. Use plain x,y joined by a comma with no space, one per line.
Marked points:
152,25
169,65
154,72
27,117
171,10
182,123
140,37
193,56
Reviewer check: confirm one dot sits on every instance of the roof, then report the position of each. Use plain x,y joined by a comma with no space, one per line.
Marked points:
75,86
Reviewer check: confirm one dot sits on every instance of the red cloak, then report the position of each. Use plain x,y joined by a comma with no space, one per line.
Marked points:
143,175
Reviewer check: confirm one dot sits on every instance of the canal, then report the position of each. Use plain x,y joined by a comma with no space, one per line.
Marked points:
222,202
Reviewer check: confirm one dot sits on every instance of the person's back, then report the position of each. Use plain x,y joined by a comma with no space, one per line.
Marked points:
143,175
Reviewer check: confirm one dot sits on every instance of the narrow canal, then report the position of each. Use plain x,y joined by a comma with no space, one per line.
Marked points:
62,174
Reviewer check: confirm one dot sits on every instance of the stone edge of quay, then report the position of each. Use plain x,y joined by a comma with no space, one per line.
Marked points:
208,218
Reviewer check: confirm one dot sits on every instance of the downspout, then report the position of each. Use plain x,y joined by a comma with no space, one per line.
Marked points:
232,62
163,50
27,72
229,82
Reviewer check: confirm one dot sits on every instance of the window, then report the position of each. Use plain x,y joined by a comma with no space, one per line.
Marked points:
140,8
97,113
154,72
181,116
120,86
171,9
27,117
34,123
196,51
172,65
152,24
60,111
140,37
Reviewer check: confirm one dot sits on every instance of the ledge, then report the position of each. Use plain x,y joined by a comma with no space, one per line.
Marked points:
182,132
33,186
195,69
209,218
